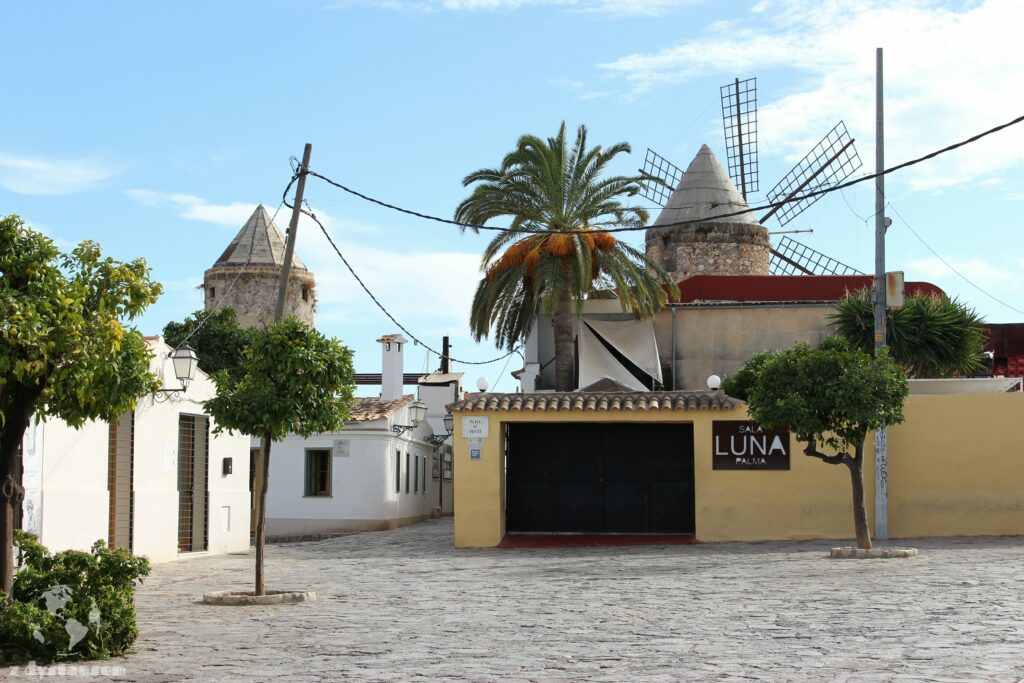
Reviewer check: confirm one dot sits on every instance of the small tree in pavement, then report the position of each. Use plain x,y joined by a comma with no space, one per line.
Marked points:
65,348
830,396
294,380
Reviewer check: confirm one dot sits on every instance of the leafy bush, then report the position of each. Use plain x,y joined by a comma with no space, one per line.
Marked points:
71,604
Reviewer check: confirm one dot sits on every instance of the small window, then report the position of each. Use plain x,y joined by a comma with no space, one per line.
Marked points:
398,471
318,472
213,292
305,293
423,475
416,475
407,456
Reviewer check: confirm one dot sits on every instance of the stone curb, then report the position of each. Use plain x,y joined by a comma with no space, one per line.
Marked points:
247,597
873,553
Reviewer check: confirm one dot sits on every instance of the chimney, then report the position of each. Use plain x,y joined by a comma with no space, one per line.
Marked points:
391,366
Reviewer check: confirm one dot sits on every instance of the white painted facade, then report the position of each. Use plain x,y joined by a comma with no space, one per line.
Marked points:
373,477
378,479
67,502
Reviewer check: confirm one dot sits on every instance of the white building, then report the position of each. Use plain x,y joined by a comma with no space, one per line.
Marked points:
374,474
157,482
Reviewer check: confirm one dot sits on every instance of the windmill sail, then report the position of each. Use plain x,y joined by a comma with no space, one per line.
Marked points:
739,120
658,166
790,257
830,162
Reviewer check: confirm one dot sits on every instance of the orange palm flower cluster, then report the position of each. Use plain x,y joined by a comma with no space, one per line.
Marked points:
560,245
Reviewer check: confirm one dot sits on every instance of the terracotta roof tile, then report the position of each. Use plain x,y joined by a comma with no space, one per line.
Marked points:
369,409
584,401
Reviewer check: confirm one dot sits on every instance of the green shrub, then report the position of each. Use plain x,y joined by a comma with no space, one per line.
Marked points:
71,604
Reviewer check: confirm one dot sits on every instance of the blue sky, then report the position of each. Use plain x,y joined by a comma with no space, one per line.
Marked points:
155,128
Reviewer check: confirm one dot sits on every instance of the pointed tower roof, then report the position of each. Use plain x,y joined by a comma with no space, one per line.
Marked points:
705,191
266,242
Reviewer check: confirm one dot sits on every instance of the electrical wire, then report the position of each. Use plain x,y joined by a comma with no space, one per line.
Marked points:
949,265
773,205
309,212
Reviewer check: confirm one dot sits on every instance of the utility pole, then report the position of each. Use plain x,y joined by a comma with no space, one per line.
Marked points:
881,435
263,464
445,349
293,228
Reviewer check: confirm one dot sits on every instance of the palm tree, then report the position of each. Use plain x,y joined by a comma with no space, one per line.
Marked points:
930,336
555,252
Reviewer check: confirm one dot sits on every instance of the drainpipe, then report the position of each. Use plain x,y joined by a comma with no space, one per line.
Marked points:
673,348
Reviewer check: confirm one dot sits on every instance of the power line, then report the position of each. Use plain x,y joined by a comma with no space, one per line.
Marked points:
385,310
949,265
808,195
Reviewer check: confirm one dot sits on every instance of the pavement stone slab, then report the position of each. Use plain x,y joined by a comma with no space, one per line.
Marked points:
405,605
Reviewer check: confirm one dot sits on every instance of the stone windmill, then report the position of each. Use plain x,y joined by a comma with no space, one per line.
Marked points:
247,275
741,244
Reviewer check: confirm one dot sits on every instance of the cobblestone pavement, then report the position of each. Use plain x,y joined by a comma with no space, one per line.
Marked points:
406,605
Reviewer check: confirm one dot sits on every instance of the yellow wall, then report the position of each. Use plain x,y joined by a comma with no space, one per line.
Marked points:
955,468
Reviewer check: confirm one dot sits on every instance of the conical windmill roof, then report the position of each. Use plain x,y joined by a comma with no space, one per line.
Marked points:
266,242
704,193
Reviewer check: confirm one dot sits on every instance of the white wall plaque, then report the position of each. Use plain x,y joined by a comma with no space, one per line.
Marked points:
475,427
341,448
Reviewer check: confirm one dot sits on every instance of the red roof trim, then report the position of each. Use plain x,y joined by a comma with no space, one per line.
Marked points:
782,287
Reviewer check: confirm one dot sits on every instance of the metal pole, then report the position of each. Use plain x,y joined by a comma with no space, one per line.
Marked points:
881,437
293,228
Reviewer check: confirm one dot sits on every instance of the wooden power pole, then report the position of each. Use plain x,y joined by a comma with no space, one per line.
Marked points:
293,228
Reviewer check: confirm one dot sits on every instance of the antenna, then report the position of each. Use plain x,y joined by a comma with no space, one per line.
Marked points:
795,258
830,162
658,166
739,121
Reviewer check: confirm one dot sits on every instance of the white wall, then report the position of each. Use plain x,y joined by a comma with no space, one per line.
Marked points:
73,502
71,468
363,495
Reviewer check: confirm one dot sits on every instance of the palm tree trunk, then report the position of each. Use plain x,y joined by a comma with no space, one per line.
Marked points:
860,513
561,321
261,513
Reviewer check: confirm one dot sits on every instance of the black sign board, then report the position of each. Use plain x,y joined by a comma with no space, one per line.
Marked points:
746,445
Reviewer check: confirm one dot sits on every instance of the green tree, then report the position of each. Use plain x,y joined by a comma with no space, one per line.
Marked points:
930,335
218,342
550,187
65,350
828,396
294,381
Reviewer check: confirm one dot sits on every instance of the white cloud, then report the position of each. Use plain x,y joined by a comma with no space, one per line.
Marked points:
947,73
196,208
400,280
610,7
33,175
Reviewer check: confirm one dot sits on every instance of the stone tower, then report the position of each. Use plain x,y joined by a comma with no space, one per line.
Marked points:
253,294
737,245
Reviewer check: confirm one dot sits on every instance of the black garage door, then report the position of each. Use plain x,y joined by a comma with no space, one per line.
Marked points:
600,478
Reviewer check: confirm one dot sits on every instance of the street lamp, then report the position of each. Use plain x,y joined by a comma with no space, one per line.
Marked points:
185,362
449,427
417,411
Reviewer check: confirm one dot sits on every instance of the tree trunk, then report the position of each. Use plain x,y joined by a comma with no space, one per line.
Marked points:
18,413
561,321
261,512
860,512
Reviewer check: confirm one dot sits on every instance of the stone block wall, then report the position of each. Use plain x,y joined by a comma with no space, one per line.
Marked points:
710,249
254,294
